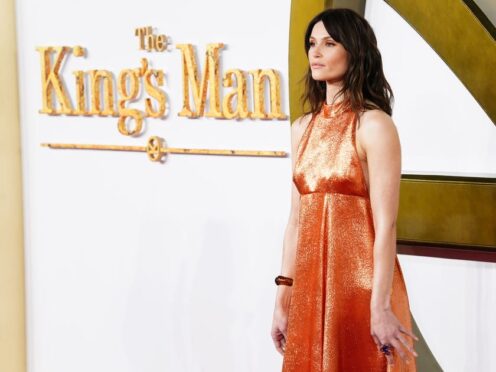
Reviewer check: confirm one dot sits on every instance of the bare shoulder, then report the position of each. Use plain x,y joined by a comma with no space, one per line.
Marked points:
301,123
375,120
298,128
376,126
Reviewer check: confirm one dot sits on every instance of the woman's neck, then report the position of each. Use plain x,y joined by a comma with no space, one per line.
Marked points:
332,92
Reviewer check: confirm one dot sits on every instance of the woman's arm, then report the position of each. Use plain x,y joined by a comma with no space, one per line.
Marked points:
380,142
291,233
283,296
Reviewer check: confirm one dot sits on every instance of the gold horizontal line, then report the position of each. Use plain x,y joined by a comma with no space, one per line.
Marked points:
72,146
155,149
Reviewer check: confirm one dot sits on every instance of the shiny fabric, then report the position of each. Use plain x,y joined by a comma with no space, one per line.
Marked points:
329,315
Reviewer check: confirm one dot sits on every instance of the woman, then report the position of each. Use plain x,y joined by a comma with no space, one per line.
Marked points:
341,303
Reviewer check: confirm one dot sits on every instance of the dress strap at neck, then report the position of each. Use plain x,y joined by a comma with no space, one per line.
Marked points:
335,109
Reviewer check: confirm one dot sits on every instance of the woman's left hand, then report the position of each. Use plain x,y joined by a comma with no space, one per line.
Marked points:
387,329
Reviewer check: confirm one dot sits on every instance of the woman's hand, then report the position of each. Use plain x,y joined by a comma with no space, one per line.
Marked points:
280,320
386,329
279,327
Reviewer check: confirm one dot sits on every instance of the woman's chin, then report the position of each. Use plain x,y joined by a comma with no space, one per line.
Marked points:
326,77
319,76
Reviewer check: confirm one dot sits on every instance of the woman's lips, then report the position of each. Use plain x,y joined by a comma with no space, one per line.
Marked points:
317,65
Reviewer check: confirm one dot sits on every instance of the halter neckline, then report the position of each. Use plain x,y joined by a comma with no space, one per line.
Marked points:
332,110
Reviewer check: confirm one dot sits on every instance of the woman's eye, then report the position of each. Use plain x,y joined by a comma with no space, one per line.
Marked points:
311,43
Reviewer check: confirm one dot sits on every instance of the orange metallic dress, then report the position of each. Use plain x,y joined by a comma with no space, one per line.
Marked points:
329,315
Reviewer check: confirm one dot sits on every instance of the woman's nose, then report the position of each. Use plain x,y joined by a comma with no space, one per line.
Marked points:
316,51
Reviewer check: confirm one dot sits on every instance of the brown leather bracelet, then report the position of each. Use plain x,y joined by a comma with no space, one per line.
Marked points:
284,280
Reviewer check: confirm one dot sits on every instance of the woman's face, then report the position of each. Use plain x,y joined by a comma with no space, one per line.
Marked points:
328,59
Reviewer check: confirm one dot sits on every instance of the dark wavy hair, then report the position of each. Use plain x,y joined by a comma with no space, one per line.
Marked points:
364,78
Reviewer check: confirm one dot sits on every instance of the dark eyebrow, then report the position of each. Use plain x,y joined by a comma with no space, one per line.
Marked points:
325,37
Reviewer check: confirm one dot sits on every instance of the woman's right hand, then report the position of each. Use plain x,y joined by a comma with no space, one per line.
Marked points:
280,319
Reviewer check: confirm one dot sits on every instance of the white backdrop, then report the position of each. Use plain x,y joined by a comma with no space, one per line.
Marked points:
136,266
